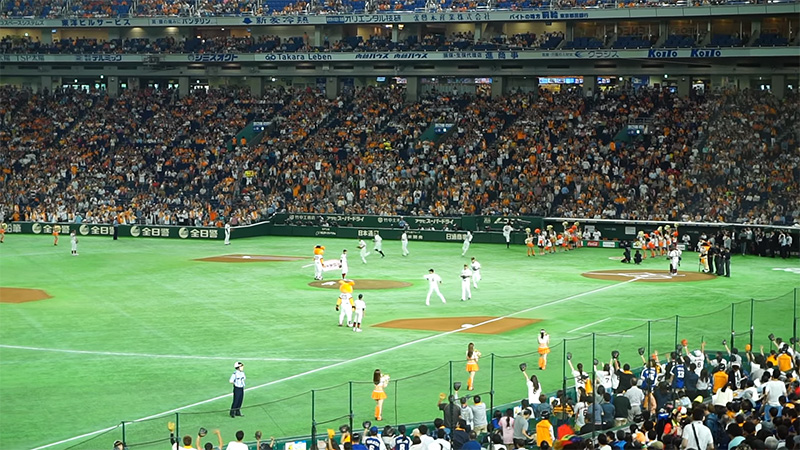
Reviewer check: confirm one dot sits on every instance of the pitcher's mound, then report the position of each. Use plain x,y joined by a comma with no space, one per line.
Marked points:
250,258
362,284
477,324
20,295
659,276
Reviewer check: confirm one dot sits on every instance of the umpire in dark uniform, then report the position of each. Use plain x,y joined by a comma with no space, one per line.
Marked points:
237,380
725,256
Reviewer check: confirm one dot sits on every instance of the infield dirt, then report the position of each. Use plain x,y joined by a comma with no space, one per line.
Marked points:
650,276
475,324
21,295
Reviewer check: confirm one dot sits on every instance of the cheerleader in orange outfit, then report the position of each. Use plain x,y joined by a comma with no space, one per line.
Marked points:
540,240
544,348
643,243
529,243
472,364
56,230
3,232
378,393
651,245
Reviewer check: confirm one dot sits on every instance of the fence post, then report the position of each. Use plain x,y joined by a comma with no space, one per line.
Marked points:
564,366
491,385
594,378
794,319
123,433
177,425
313,421
676,331
451,378
649,322
350,422
733,332
752,315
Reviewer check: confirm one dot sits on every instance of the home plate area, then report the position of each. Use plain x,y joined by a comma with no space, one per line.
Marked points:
474,324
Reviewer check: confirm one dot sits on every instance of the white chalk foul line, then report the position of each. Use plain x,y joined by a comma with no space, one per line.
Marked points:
359,358
588,325
151,355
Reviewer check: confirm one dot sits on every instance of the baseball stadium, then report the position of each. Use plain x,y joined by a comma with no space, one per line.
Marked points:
301,225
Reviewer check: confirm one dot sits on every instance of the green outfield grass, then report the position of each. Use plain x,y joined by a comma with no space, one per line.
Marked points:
137,328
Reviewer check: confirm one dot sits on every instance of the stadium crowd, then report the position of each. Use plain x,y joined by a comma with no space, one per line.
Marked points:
204,8
151,157
272,44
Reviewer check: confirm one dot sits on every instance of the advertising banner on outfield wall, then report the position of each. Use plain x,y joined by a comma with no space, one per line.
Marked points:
342,220
135,231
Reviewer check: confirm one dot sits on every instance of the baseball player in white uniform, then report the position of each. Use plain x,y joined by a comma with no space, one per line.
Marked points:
674,260
378,244
359,308
343,263
362,247
467,241
466,281
404,243
434,281
507,229
73,240
476,272
228,233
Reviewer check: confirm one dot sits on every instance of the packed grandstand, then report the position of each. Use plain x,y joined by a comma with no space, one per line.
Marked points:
204,8
724,155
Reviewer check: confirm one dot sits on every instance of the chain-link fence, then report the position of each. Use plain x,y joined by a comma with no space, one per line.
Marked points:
499,382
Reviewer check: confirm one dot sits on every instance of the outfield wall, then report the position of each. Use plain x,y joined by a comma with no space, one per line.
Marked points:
486,229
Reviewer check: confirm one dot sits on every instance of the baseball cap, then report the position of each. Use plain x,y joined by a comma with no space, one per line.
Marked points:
237,364
657,445
373,429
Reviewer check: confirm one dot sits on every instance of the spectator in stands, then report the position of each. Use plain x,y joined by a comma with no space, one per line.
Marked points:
238,444
696,435
451,411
